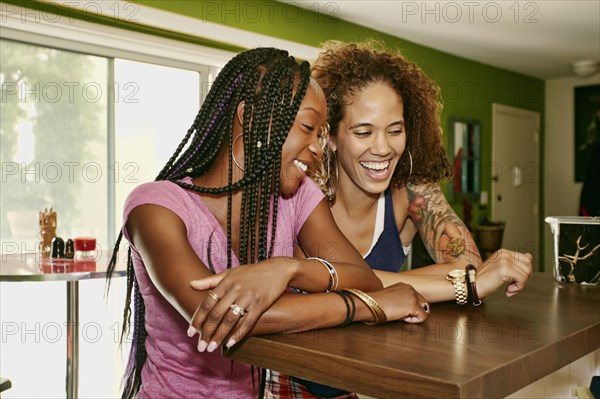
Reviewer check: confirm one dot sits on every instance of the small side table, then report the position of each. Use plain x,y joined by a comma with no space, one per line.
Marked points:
31,267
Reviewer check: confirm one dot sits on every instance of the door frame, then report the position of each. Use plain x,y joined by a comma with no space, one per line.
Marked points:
520,112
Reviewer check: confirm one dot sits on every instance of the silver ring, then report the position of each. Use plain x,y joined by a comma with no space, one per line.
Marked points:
213,296
237,310
425,306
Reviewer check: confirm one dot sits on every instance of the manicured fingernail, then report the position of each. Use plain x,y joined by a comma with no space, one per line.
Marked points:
230,343
191,331
202,345
212,346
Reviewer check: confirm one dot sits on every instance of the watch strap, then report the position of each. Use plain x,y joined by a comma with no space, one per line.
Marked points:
471,272
460,290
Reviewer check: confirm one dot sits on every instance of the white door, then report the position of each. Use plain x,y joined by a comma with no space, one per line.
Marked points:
515,174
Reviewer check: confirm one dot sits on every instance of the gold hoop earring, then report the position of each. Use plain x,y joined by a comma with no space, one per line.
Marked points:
411,166
233,155
337,172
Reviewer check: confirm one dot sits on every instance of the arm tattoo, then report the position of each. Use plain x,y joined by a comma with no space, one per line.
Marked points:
445,236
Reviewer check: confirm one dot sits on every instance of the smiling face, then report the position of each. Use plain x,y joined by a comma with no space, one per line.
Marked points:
301,147
371,138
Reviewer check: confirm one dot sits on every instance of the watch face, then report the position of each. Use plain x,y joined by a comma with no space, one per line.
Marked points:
456,273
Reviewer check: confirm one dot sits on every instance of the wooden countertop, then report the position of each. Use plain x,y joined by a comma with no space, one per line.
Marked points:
489,351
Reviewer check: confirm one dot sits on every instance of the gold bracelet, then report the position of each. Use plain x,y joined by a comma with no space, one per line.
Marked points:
379,316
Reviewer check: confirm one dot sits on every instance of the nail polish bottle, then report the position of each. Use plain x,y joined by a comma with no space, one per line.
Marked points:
69,249
58,262
57,248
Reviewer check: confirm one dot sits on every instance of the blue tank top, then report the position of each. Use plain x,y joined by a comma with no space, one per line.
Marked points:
388,253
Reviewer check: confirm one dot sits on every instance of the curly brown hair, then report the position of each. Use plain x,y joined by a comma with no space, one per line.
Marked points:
343,69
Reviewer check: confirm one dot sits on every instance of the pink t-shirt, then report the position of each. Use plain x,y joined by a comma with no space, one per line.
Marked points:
174,368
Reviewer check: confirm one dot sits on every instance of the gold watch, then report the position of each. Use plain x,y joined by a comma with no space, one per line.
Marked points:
457,278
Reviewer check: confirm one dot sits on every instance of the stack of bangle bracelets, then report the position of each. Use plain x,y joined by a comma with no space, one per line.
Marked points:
347,294
350,307
379,316
333,277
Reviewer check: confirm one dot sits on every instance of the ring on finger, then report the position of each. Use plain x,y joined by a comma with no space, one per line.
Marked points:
425,307
213,296
237,310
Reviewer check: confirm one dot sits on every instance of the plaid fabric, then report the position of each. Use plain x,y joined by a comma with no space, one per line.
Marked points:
279,386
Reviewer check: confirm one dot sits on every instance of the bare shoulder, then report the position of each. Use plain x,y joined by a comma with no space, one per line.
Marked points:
154,222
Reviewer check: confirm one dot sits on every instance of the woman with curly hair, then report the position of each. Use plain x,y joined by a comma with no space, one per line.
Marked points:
383,161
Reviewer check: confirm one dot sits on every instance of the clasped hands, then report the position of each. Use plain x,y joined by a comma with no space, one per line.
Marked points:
238,297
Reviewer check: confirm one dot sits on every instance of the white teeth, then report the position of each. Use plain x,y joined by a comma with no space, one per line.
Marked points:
302,166
376,165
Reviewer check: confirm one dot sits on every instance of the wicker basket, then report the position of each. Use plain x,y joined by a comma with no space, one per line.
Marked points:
490,237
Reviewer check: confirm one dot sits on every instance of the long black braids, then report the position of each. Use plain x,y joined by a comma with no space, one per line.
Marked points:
272,85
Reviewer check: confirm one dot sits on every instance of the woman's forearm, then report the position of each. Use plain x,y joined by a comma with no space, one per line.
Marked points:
313,276
304,312
434,287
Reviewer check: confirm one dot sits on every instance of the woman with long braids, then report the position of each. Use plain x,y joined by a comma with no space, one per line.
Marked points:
234,199
383,162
